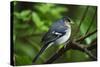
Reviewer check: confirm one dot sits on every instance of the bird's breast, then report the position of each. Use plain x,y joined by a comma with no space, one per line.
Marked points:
64,38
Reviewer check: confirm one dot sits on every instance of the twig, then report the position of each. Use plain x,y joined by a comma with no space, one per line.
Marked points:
84,49
92,45
85,36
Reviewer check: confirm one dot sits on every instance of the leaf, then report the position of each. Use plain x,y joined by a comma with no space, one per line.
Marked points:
17,15
36,19
25,15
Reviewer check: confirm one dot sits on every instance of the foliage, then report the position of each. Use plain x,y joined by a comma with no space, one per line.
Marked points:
29,25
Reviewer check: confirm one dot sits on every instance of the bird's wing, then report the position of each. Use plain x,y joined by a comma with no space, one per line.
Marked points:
47,40
52,36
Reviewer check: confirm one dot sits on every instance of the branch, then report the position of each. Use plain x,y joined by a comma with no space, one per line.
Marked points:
71,45
85,36
84,49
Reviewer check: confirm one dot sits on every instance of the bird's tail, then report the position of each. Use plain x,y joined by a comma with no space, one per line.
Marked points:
41,51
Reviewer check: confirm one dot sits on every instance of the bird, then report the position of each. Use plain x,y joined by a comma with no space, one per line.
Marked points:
58,33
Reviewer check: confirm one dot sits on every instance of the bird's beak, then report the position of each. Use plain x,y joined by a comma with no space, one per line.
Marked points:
72,22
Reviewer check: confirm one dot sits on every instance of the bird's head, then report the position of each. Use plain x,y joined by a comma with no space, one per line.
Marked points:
68,21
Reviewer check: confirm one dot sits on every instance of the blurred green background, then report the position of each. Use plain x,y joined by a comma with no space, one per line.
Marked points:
32,20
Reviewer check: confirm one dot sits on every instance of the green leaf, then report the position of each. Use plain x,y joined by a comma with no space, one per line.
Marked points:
36,20
25,15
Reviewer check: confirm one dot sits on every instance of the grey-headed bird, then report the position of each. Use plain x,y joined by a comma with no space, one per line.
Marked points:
58,33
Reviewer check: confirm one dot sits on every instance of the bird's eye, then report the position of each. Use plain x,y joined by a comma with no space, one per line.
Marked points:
68,19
